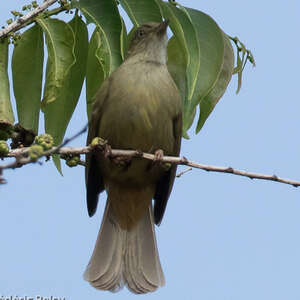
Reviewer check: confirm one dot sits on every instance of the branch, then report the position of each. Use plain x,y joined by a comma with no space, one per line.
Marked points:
21,159
27,19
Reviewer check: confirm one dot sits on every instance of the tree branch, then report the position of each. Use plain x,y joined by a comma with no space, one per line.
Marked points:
26,19
22,158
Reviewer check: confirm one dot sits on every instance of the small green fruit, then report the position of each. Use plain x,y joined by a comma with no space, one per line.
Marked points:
35,151
44,140
4,149
73,162
98,141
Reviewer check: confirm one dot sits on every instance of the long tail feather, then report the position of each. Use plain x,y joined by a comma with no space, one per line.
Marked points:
125,257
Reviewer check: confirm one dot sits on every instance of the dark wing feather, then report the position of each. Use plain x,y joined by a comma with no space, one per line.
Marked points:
165,184
93,176
94,185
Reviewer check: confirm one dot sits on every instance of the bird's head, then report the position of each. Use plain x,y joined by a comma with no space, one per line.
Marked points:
150,41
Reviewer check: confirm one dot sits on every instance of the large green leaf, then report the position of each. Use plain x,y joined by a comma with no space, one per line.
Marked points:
60,44
141,11
6,113
177,65
186,35
185,32
201,45
105,15
211,43
98,54
58,113
95,70
177,69
27,71
208,103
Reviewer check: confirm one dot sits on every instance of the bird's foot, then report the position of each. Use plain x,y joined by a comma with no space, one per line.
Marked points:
158,155
107,151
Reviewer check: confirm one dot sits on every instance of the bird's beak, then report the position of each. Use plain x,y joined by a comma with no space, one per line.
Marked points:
162,28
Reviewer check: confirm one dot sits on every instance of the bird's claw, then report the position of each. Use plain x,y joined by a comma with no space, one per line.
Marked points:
158,155
107,150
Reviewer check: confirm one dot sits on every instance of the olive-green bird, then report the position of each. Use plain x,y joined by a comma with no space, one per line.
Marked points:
138,107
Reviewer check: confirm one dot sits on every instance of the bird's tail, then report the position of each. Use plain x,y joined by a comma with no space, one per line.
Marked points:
125,257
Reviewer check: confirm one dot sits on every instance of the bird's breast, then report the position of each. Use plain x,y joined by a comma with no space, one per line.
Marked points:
140,109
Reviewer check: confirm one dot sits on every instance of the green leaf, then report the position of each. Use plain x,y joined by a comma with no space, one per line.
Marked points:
211,43
177,69
185,32
6,113
98,58
240,73
177,65
95,70
129,37
105,15
60,44
27,71
239,64
241,60
202,47
208,103
186,35
141,11
123,40
58,113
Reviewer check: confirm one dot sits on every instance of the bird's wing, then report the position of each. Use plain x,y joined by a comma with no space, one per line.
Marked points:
93,176
165,184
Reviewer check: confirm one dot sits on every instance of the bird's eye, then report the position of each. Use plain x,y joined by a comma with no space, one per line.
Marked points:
141,33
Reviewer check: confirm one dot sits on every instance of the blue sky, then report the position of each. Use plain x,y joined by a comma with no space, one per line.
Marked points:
223,237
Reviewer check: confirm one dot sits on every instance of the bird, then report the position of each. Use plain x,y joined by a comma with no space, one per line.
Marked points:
137,107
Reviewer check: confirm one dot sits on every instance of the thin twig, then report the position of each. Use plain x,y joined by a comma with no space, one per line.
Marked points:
18,153
23,21
22,153
68,140
183,172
